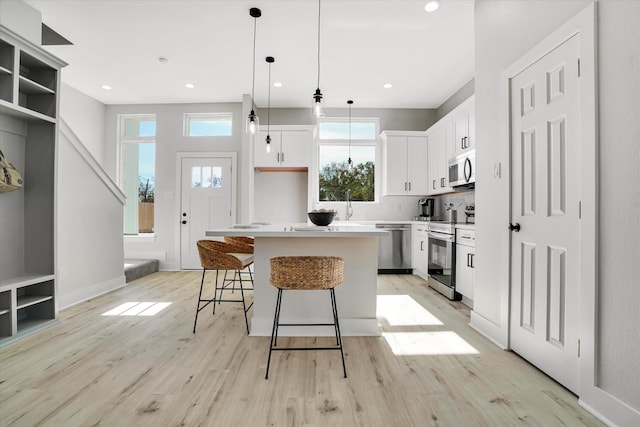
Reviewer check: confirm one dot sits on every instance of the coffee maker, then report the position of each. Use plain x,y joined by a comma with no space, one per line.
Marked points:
425,209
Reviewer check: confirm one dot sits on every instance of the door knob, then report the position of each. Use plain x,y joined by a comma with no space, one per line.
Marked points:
514,227
184,222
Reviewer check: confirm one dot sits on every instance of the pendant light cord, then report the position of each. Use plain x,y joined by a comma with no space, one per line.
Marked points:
349,132
253,83
269,102
318,44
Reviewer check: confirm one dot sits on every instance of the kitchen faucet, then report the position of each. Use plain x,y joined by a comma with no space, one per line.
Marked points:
349,208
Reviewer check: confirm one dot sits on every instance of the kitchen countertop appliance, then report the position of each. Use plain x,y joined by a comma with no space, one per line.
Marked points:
425,209
394,250
441,244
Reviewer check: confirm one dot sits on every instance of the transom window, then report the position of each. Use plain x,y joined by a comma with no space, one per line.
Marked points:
334,177
208,124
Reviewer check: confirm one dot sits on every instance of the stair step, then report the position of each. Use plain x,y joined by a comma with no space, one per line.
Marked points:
137,268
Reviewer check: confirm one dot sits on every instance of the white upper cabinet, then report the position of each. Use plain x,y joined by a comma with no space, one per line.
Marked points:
404,163
463,128
290,148
438,153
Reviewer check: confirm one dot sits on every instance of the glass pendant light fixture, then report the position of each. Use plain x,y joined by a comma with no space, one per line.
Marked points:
253,120
317,109
350,162
270,60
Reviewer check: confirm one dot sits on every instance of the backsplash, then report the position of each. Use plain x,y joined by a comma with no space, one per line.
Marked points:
459,200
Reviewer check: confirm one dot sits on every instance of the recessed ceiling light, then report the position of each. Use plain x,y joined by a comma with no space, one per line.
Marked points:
388,86
277,84
432,5
189,85
106,87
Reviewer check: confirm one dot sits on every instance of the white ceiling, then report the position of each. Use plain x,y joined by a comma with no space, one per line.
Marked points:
364,44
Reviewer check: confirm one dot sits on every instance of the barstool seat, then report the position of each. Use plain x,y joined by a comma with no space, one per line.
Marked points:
306,273
216,255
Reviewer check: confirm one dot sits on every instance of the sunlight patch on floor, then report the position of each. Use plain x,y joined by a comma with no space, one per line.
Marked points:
403,310
427,343
136,308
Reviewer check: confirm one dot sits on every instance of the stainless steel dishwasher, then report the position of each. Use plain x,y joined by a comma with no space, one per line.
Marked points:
394,250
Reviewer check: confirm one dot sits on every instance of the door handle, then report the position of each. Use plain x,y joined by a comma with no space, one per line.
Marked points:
434,184
514,227
409,186
421,243
184,221
469,260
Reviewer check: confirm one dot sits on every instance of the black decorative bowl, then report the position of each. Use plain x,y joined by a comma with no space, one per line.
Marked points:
321,218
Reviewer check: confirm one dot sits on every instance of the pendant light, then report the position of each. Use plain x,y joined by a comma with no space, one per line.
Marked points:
350,162
318,100
270,60
253,121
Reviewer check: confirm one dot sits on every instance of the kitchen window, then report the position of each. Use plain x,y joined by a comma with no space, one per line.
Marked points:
334,150
208,124
138,172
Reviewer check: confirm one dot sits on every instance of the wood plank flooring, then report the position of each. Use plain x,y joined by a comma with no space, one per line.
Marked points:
97,370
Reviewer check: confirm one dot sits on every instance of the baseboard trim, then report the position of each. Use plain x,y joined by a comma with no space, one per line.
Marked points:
86,293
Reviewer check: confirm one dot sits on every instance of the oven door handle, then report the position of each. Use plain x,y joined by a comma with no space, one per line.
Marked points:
440,236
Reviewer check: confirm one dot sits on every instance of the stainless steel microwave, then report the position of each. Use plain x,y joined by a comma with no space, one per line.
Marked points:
462,170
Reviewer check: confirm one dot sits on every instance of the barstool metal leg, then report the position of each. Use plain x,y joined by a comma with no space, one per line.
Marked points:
195,322
244,305
337,326
274,330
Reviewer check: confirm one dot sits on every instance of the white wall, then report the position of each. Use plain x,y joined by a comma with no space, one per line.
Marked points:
85,116
89,220
280,196
619,267
504,31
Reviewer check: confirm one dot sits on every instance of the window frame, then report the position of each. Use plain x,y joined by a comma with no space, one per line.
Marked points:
345,142
186,121
122,140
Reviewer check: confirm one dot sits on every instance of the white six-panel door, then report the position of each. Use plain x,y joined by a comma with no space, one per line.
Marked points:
206,190
545,187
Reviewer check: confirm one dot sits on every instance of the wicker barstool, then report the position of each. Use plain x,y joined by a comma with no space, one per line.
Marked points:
242,240
306,273
216,255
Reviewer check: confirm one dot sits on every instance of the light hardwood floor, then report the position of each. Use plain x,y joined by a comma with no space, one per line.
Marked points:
92,369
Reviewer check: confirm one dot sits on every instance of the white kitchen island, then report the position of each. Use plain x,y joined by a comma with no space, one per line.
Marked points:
356,297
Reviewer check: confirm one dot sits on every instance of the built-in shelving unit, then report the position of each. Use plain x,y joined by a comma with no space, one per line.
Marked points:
29,88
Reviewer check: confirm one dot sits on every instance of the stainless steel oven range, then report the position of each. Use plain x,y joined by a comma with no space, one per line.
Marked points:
442,259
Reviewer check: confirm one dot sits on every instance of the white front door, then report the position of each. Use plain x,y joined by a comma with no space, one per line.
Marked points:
545,191
206,187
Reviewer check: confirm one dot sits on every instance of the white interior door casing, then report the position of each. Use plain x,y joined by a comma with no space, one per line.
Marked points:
207,188
545,198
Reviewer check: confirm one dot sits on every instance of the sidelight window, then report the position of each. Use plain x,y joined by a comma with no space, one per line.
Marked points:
137,171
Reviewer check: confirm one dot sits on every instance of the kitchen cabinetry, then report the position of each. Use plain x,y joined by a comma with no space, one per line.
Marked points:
290,148
419,254
28,130
438,154
463,128
404,163
465,264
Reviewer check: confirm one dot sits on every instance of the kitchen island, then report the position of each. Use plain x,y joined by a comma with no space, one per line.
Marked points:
356,297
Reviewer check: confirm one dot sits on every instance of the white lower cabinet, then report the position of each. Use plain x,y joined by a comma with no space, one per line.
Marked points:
419,251
465,264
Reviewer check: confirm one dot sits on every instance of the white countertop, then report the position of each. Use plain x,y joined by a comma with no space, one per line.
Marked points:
300,230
